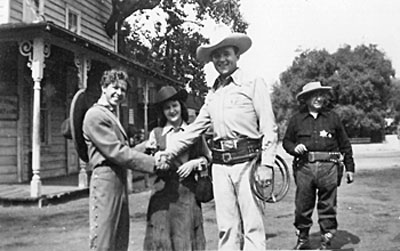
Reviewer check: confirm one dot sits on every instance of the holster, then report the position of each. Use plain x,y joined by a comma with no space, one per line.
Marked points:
234,151
340,173
311,157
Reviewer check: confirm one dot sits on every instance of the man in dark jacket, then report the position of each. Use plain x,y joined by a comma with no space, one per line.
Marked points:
318,141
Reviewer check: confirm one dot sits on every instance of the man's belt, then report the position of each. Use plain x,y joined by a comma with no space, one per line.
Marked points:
234,151
324,156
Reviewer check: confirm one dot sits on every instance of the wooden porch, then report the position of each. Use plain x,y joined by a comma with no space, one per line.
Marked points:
55,190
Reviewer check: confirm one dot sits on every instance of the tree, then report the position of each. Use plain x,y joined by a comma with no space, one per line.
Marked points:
394,101
361,80
169,43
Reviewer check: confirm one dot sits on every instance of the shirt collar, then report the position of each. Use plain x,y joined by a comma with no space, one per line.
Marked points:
106,105
307,113
237,78
169,128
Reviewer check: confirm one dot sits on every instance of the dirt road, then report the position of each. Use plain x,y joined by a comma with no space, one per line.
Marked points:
369,218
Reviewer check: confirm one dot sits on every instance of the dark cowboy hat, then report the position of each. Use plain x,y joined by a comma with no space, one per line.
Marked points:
312,87
79,107
168,93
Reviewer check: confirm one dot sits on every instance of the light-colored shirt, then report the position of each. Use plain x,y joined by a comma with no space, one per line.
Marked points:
242,108
169,132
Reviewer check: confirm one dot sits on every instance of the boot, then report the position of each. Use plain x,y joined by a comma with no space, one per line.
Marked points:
326,241
303,241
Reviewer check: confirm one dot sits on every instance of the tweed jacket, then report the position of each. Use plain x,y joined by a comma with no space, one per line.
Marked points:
107,141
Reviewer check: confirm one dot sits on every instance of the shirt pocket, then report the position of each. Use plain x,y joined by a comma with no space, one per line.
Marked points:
330,140
304,135
237,100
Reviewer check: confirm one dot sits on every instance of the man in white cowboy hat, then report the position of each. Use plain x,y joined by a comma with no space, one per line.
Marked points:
318,141
239,110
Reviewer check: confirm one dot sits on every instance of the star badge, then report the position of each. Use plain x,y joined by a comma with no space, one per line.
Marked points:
323,134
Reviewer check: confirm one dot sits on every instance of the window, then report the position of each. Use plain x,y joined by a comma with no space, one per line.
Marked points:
73,20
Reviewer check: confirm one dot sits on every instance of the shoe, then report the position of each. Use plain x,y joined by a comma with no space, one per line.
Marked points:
326,241
303,241
302,244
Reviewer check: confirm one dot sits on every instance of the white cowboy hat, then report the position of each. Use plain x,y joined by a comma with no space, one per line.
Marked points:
312,87
222,36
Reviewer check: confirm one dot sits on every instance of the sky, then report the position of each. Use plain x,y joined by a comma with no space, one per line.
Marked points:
282,29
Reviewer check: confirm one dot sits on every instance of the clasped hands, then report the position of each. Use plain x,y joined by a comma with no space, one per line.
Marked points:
162,160
163,163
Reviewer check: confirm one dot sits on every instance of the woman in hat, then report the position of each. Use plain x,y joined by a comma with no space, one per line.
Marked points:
174,216
317,140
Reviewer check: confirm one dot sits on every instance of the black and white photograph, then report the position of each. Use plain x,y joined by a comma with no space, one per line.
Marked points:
188,125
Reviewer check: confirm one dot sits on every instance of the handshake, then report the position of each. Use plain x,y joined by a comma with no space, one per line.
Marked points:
162,160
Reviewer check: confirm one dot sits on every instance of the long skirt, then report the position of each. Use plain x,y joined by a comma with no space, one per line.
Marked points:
174,217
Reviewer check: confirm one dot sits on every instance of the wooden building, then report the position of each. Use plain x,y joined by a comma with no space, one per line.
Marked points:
49,50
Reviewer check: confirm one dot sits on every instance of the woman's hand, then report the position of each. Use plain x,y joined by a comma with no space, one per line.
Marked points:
185,169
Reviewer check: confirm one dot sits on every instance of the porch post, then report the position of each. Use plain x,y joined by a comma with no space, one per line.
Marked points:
146,123
83,64
37,51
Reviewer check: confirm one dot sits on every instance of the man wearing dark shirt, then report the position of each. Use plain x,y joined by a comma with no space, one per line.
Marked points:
319,143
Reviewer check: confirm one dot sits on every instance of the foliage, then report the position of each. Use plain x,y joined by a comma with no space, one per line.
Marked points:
361,79
394,101
166,38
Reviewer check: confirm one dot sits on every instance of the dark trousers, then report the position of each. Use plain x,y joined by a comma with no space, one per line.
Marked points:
316,182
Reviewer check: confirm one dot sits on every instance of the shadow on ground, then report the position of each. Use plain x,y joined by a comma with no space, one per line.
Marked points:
341,239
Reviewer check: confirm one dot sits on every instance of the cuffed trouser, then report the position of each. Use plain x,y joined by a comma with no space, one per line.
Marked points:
109,210
312,180
239,219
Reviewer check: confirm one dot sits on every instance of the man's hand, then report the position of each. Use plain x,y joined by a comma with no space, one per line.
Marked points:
264,175
349,177
162,160
300,149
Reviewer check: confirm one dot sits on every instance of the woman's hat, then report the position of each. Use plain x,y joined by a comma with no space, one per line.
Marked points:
312,87
79,107
168,93
223,37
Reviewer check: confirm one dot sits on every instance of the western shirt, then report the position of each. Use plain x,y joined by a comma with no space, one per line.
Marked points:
240,109
323,133
168,131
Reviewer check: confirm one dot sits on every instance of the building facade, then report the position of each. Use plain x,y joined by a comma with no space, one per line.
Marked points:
49,50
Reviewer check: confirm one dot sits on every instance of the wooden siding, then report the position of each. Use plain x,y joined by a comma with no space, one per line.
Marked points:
16,11
4,11
8,151
94,15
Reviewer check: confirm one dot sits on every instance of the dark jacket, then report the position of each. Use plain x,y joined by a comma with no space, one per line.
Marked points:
325,133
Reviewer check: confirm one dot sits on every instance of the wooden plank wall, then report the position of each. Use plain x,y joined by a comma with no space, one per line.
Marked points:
16,11
8,151
94,14
53,156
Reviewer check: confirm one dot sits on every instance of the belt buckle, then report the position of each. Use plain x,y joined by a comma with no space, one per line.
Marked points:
228,144
226,157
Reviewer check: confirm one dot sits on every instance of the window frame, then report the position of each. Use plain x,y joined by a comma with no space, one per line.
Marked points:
71,10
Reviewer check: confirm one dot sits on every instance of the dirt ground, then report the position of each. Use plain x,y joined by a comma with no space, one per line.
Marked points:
368,216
